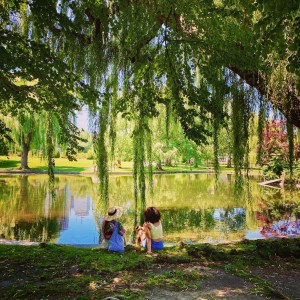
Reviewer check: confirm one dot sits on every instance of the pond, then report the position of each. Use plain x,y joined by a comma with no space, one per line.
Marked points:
193,209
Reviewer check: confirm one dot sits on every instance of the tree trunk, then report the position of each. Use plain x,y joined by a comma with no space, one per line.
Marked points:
24,158
229,161
159,166
168,162
255,80
26,141
26,138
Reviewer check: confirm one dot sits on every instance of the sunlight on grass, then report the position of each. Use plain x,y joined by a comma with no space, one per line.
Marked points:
87,165
61,164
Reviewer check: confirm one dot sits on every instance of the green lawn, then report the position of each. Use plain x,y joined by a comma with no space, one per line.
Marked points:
86,165
36,163
10,163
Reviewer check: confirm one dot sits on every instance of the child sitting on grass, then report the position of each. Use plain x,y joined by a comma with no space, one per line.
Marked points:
151,233
113,231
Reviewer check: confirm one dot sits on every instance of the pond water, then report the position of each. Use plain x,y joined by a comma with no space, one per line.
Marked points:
193,209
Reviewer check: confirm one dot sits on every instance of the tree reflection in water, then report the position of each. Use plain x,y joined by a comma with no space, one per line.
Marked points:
193,208
280,213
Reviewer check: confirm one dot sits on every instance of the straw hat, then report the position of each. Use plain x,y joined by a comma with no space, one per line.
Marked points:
113,213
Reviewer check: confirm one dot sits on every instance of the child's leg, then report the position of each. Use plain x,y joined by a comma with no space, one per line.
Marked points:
140,236
124,237
148,241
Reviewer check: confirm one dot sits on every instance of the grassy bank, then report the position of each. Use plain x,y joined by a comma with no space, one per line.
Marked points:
83,165
39,165
62,272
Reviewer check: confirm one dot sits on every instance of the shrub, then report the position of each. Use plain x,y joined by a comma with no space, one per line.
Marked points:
275,166
295,178
56,154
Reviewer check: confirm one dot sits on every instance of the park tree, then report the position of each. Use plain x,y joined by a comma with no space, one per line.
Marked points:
202,51
34,78
5,138
275,143
27,124
39,132
169,141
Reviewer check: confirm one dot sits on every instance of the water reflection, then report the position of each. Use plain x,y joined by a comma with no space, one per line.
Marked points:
193,208
78,224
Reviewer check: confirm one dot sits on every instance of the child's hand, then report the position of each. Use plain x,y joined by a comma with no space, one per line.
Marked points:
147,224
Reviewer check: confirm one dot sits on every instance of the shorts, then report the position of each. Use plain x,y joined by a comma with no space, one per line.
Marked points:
154,245
157,245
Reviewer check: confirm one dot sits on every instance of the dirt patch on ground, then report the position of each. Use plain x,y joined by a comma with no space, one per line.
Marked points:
211,283
284,276
220,286
216,283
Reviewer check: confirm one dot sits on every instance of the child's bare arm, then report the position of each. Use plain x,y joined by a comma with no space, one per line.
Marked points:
147,228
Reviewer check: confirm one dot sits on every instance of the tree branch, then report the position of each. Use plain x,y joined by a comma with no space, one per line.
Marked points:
256,81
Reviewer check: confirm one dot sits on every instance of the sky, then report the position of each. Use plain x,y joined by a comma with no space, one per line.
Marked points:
82,119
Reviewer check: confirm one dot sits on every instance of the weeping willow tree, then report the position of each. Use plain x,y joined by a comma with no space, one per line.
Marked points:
41,133
34,80
26,125
28,133
145,45
5,138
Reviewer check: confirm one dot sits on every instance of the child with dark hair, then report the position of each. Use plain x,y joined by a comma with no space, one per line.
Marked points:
151,234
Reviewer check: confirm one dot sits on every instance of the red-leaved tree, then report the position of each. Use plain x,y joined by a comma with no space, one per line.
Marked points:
275,140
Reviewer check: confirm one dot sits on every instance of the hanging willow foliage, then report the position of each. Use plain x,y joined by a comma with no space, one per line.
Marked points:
216,127
50,145
50,152
260,128
101,152
149,159
112,123
218,102
249,104
96,38
168,108
139,139
240,123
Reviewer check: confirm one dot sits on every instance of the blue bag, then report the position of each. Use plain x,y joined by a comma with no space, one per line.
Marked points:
116,242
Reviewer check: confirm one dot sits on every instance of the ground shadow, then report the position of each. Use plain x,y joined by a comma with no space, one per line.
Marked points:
9,163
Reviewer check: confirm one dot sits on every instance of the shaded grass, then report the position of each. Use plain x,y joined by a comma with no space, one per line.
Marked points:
175,279
238,258
9,163
64,272
60,270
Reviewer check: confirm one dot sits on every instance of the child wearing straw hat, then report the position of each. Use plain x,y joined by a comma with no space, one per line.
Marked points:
109,224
